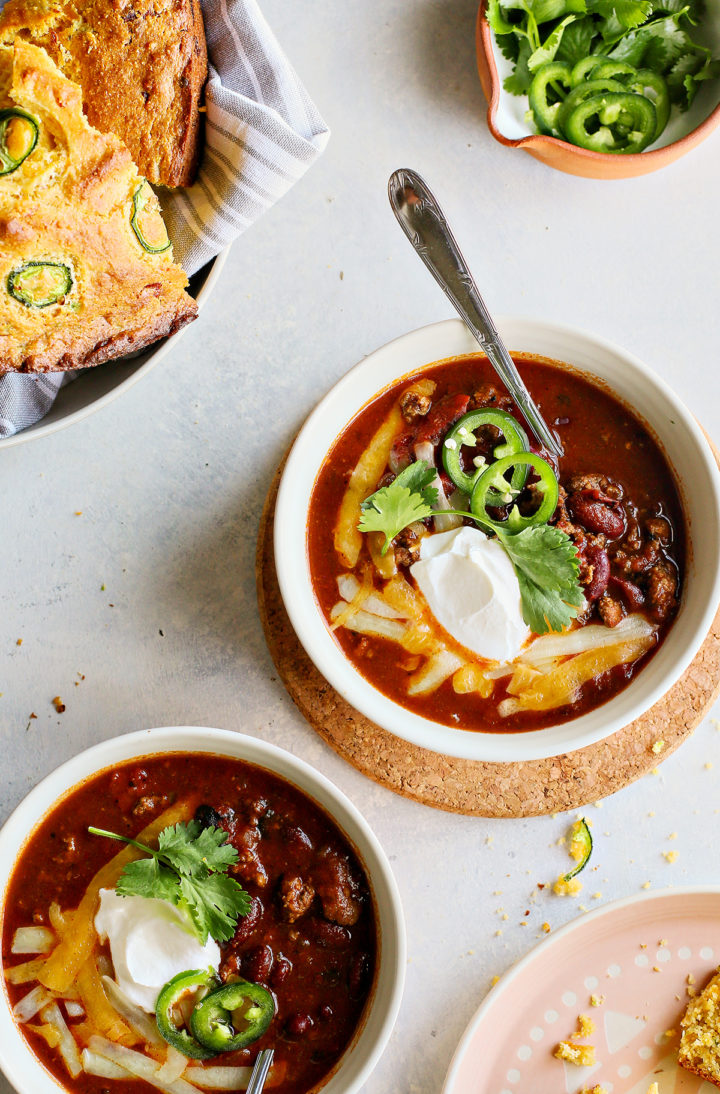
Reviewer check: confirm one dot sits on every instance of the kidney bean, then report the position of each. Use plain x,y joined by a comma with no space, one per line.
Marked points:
326,1012
258,963
248,923
298,1025
330,935
296,838
281,970
633,595
595,516
597,558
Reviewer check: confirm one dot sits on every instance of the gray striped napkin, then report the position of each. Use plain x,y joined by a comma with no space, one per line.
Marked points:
262,132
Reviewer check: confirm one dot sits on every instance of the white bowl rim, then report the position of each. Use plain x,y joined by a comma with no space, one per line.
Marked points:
34,432
17,1061
296,589
558,936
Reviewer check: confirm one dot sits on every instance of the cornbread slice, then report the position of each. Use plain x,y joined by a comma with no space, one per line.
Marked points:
86,268
700,1038
142,65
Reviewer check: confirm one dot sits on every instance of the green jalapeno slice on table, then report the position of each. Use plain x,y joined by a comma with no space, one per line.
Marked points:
617,122
147,222
490,484
514,439
581,845
546,95
18,137
193,982
38,284
233,1016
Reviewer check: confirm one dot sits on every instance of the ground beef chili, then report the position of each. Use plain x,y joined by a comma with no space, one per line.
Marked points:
310,935
618,502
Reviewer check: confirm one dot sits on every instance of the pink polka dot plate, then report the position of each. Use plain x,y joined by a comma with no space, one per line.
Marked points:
636,957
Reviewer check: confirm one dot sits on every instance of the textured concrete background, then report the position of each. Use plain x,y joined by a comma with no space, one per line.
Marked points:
169,480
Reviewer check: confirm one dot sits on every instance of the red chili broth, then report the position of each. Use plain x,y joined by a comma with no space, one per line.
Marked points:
601,435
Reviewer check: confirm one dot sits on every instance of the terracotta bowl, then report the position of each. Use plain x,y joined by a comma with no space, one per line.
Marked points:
507,123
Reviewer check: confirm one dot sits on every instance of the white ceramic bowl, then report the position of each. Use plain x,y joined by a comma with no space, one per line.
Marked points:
19,1063
683,443
98,386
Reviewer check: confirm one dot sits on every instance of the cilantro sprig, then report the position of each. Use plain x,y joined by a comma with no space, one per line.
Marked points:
543,557
408,498
189,869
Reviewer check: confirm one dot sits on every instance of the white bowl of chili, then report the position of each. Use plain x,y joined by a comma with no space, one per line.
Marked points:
300,812
663,427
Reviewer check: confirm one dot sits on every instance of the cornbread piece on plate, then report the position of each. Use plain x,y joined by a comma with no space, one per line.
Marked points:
141,64
700,1040
86,268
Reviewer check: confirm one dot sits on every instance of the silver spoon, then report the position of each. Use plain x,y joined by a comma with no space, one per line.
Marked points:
424,223
259,1074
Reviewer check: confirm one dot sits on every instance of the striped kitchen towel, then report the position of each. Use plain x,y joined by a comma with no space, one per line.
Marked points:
262,132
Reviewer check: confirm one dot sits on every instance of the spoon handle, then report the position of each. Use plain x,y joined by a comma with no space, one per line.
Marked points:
424,223
263,1064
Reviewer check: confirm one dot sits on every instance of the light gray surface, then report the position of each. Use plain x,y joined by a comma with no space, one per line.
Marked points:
170,479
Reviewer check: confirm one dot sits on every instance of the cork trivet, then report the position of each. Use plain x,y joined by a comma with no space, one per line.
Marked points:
475,787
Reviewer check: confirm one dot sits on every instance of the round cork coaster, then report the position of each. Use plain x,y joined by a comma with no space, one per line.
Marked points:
475,787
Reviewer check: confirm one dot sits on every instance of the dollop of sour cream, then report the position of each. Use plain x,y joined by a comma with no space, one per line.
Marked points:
150,942
472,590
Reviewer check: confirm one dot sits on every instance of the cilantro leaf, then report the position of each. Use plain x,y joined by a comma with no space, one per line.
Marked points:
196,850
189,869
576,39
545,561
214,903
518,83
616,17
148,877
549,48
408,498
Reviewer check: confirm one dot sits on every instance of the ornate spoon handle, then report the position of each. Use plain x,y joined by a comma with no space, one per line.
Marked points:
424,223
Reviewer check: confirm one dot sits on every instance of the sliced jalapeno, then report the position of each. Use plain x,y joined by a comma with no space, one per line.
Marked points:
462,433
147,222
233,1016
18,137
653,87
583,70
40,284
582,92
545,96
580,847
493,480
193,981
613,70
617,122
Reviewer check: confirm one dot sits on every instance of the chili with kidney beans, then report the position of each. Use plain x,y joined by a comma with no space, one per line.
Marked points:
617,500
310,936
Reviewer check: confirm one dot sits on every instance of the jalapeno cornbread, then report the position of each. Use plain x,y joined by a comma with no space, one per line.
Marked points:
86,267
141,64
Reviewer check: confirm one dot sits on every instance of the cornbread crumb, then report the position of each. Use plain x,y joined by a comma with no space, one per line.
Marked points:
709,765
658,746
597,1000
670,856
655,771
594,1090
494,981
546,927
579,1055
670,1033
662,941
645,885
653,1089
585,1027
58,704
567,888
